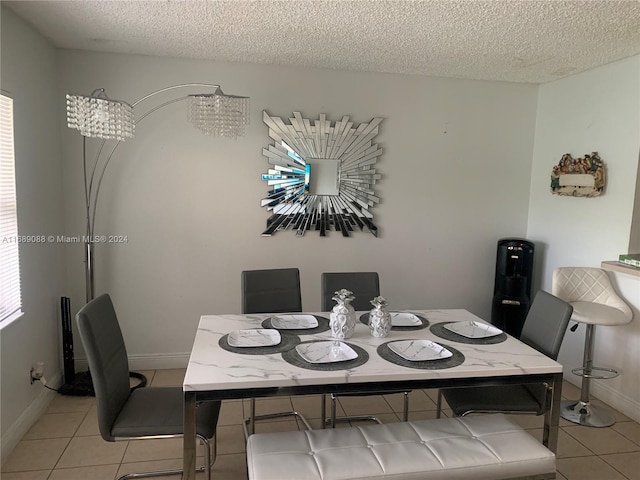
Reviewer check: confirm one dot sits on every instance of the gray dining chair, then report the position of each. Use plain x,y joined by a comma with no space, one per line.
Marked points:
543,329
275,290
140,413
270,291
365,287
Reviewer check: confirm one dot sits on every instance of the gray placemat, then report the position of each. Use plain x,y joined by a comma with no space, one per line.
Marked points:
287,341
364,318
457,359
439,330
294,358
323,326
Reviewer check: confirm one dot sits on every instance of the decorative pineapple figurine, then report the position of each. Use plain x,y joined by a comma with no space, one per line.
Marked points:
379,318
343,316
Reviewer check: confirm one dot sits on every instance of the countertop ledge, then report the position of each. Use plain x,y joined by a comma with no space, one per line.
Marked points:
615,266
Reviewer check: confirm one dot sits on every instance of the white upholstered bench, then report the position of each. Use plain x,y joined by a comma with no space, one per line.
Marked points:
478,447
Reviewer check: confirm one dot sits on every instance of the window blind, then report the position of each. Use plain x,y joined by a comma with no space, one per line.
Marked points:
10,296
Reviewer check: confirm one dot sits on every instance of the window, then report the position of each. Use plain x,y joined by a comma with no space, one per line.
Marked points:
10,297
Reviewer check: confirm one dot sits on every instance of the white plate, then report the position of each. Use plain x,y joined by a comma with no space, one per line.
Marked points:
404,319
419,350
294,322
473,329
326,352
260,337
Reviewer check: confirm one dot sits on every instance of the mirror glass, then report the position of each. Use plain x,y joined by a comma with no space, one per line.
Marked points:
321,175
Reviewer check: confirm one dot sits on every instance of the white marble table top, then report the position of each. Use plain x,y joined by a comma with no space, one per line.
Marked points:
212,368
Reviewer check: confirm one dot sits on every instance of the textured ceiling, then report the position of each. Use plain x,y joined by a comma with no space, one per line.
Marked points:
511,40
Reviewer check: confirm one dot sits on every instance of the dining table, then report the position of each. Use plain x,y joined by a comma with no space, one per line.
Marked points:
221,367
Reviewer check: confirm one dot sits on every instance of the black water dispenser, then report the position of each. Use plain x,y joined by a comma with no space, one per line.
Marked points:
512,288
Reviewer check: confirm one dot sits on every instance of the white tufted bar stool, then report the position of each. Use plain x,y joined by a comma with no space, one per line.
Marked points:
595,302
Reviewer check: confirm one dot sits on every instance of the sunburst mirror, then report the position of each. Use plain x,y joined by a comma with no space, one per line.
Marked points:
321,175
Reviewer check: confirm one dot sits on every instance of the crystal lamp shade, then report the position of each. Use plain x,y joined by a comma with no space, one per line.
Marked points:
219,115
100,117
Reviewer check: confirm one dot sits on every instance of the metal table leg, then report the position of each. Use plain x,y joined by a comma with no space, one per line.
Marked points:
189,437
552,415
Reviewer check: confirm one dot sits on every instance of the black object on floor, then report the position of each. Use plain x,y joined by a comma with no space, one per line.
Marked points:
67,339
82,386
79,384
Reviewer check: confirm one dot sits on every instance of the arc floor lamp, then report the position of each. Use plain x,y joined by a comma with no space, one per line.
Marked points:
99,116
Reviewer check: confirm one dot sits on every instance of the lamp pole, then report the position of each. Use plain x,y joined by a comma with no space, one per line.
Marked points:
94,174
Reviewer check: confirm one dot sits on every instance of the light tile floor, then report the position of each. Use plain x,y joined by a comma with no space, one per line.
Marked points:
65,443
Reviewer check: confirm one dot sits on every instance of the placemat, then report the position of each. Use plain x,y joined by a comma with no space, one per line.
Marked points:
287,341
364,318
438,330
323,326
294,358
457,359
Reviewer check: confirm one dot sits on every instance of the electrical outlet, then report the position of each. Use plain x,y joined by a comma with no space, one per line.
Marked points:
36,372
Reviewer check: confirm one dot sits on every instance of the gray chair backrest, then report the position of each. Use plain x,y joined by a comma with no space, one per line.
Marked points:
546,324
103,343
364,285
271,291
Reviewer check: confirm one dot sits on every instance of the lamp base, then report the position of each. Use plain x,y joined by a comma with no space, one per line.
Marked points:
82,386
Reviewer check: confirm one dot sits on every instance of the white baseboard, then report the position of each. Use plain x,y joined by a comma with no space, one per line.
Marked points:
613,398
29,416
147,362
158,362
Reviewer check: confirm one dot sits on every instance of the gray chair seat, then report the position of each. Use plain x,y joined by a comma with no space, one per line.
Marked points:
158,411
502,398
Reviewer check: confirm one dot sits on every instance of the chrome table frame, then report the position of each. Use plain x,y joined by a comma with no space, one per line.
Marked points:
525,365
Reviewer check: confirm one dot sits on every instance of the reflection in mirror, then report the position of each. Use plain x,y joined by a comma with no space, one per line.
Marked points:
321,175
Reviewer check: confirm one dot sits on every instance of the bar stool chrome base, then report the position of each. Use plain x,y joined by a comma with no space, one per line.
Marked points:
582,411
585,413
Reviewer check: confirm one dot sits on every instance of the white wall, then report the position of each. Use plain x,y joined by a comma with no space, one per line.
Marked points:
599,111
619,348
456,176
29,75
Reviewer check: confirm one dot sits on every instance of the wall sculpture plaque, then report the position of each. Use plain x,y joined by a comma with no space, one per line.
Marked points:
321,175
578,177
